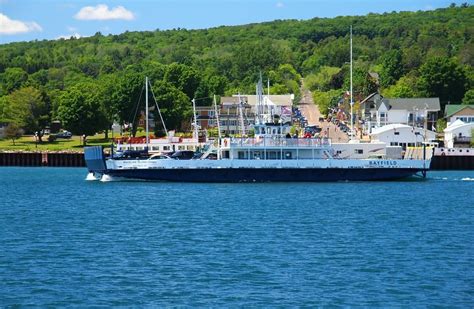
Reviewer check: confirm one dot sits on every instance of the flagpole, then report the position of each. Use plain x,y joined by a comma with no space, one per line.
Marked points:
352,101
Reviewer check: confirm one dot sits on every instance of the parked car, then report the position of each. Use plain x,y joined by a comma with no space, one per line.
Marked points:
64,134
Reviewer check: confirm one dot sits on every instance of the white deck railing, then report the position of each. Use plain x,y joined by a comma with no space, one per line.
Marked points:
280,142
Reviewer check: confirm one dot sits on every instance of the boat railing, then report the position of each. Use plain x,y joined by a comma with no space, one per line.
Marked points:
280,142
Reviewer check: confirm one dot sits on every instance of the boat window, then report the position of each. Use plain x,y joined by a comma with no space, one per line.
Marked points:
288,155
396,133
242,155
166,148
358,151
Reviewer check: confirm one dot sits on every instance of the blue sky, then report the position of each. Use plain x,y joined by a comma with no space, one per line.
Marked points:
25,20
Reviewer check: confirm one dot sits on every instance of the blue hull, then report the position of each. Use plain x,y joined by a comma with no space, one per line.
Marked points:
265,174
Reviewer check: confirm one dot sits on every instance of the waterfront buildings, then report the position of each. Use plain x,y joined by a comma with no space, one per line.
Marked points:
241,109
377,111
402,135
458,134
464,112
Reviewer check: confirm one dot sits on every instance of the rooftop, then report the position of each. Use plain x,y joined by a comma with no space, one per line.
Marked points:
452,109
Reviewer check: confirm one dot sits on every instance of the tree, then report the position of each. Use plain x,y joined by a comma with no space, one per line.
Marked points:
13,132
28,108
13,78
322,80
183,77
404,88
468,97
125,96
392,68
442,77
80,110
174,105
363,83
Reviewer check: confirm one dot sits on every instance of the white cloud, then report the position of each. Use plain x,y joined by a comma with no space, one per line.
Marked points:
280,4
10,26
71,29
102,12
68,36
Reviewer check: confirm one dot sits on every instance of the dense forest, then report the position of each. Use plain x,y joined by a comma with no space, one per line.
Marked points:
90,82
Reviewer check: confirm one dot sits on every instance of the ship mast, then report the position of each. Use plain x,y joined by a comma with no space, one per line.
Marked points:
218,129
352,100
241,117
195,132
146,112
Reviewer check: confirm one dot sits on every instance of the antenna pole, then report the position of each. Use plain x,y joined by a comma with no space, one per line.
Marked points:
352,100
146,111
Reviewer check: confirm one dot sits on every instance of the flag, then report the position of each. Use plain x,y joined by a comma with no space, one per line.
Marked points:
285,110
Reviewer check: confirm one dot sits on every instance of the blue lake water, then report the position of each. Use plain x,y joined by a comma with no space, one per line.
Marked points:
65,241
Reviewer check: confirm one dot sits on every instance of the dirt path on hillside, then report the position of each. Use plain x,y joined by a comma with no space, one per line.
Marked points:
312,114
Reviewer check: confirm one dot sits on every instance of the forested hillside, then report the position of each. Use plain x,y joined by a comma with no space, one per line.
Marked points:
89,82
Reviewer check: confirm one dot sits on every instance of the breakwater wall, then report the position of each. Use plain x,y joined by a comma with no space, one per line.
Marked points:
52,159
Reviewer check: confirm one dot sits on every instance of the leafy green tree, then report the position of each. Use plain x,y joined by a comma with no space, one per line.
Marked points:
28,108
404,88
80,110
13,132
183,77
363,83
126,95
392,67
322,80
442,77
468,97
13,78
175,106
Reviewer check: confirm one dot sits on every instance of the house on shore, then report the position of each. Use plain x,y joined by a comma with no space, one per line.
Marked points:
464,112
458,134
402,135
377,111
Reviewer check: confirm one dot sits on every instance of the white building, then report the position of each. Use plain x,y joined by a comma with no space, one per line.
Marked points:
402,135
377,111
454,112
458,133
229,111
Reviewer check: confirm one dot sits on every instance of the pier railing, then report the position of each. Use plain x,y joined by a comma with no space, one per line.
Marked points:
280,142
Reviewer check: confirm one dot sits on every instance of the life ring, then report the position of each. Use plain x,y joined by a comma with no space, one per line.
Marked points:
225,142
443,154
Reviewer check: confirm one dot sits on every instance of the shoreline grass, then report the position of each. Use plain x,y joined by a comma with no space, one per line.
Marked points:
27,143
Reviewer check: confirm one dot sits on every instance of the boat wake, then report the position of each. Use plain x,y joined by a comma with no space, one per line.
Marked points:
91,177
108,178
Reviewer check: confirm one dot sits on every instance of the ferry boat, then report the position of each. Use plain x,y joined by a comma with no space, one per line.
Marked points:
271,155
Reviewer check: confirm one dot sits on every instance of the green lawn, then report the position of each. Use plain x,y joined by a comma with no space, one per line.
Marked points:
27,143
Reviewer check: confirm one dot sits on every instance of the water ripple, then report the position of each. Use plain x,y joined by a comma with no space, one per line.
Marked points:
68,242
